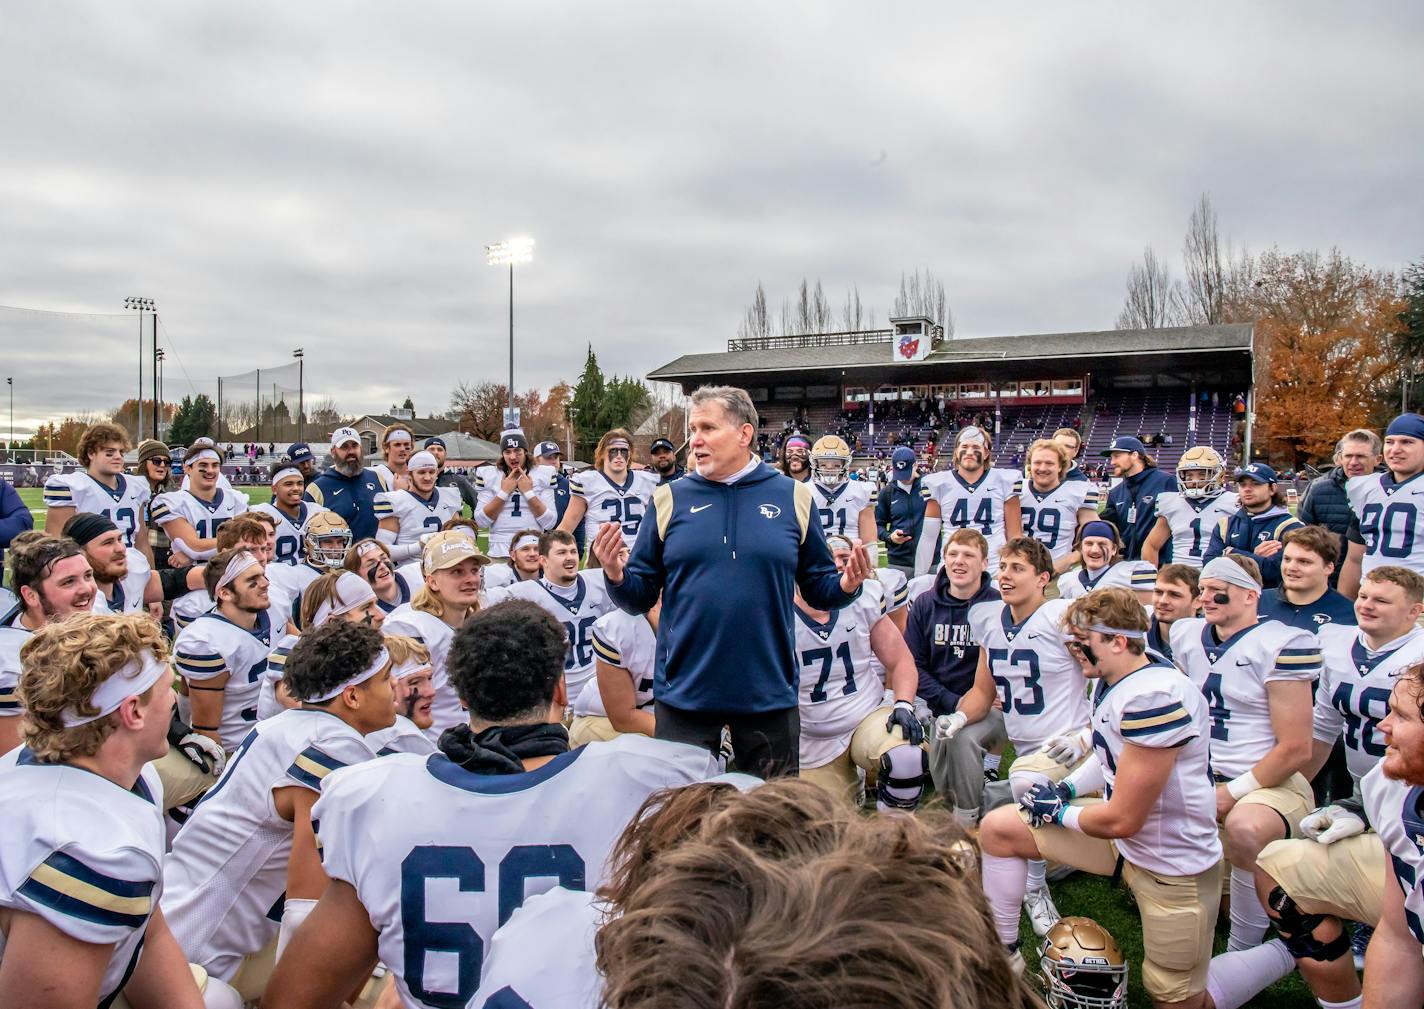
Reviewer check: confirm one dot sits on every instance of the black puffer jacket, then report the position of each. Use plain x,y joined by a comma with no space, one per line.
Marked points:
1325,504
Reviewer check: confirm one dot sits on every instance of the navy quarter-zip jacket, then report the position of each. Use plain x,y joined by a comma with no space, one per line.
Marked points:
727,559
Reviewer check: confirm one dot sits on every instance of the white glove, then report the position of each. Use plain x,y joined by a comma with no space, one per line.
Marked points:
204,752
1067,749
947,726
1329,824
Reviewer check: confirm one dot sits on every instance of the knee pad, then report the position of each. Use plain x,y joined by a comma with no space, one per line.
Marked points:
901,781
1021,781
1296,929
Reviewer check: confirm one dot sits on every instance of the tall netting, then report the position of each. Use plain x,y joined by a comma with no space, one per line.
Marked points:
261,405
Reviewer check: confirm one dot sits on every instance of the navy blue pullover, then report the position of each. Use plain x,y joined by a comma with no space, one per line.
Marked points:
1330,608
351,497
1137,492
727,558
1242,532
897,509
939,636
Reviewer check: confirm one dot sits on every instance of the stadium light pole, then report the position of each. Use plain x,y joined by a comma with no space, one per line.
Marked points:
158,357
299,354
141,305
514,250
10,448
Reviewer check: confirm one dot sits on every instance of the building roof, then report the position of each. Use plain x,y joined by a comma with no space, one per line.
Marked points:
421,427
1084,348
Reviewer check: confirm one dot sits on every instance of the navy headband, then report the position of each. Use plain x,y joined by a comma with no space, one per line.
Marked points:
1100,528
1408,425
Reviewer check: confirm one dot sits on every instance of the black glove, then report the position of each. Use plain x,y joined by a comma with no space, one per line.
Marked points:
1046,803
903,715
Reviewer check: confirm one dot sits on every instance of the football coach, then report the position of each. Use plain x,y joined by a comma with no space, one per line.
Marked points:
727,545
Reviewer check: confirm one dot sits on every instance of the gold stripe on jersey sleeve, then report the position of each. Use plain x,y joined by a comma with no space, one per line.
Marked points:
805,504
88,893
1155,720
662,505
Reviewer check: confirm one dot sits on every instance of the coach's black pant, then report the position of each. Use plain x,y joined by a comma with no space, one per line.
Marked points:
766,744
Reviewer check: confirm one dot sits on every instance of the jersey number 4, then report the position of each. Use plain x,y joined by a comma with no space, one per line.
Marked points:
983,515
459,939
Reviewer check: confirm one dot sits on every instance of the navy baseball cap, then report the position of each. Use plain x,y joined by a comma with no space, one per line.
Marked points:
434,440
662,443
299,451
547,448
903,461
1257,471
1125,443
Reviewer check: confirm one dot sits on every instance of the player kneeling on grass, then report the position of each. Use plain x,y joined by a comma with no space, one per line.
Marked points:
81,869
848,657
245,868
1150,749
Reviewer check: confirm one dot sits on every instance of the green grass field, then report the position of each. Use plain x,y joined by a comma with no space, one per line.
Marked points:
1079,894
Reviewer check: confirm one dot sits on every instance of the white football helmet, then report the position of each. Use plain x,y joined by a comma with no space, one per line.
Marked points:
327,537
1201,472
830,461
1082,966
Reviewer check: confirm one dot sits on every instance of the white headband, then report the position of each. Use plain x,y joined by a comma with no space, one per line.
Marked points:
397,434
971,436
130,681
422,460
832,539
1226,570
283,473
202,453
239,563
377,664
410,667
350,587
1110,631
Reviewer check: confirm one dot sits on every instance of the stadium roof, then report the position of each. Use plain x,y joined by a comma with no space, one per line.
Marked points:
1117,351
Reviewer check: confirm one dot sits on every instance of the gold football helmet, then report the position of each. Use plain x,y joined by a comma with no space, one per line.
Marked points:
1201,472
327,536
1082,966
830,461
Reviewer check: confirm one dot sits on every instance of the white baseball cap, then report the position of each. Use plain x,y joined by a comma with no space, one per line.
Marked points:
342,435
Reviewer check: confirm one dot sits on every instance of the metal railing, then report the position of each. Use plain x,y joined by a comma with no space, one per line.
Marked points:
803,340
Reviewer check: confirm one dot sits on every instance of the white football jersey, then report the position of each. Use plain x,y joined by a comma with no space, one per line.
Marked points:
897,588
627,642
440,856
610,502
418,516
226,879
1041,685
519,972
919,585
1391,517
978,506
285,585
211,644
577,608
204,516
267,703
291,547
840,507
402,737
128,590
1136,575
123,504
1052,518
1233,675
1394,810
515,515
436,635
13,634
1353,694
841,682
1191,521
83,854
1156,706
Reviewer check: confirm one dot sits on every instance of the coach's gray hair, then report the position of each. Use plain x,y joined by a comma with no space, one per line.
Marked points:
736,402
1360,434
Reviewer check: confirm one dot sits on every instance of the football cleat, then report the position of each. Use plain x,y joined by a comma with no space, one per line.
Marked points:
1082,966
1042,914
830,461
1201,472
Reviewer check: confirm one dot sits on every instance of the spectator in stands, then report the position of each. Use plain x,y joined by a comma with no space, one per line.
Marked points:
1325,503
1257,528
900,513
1072,443
1132,504
15,517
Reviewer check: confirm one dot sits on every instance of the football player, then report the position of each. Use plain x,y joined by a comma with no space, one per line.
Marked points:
1053,507
1304,598
519,813
222,654
1174,597
397,443
846,506
1257,678
848,658
619,697
1255,530
53,580
123,581
1186,516
192,514
1100,547
796,457
971,495
1157,821
549,470
449,595
81,871
510,498
289,511
325,540
469,497
253,535
1394,970
575,599
371,559
418,511
102,488
610,491
1336,872
413,685
1071,442
245,868
1029,689
524,564
1387,526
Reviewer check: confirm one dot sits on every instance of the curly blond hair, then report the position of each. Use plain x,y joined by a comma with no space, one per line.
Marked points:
63,664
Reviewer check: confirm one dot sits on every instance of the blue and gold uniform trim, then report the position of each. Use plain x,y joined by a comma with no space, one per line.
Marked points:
200,666
58,495
1136,724
9,699
1295,660
382,509
67,885
606,652
278,659
1144,578
312,765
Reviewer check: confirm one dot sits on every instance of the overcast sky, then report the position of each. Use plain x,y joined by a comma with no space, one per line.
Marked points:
326,174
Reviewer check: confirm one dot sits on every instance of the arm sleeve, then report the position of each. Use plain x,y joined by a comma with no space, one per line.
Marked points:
97,897
485,496
15,518
57,494
174,582
196,659
645,574
313,493
9,693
